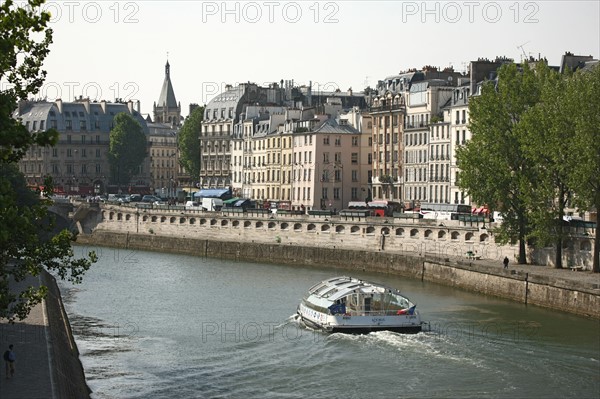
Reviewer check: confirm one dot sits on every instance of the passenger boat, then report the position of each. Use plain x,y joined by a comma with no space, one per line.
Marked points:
347,304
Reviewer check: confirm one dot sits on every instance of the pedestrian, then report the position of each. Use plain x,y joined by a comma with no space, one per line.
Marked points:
505,262
9,360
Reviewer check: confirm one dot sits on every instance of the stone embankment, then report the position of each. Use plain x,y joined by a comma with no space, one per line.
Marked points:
563,290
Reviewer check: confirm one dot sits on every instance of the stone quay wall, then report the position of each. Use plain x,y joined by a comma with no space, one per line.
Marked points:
408,248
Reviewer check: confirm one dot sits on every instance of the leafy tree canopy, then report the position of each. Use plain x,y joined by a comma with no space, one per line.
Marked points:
189,143
494,168
127,148
24,249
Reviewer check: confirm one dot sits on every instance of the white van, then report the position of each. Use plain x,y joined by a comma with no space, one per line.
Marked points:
212,204
192,205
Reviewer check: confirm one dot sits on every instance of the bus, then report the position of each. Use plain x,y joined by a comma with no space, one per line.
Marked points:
384,208
443,211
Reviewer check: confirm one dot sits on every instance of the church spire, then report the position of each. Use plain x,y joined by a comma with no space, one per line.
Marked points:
167,109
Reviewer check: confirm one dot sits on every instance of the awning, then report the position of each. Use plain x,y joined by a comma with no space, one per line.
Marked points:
230,201
213,193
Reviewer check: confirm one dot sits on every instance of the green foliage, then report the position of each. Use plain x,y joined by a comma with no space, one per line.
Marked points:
25,249
127,148
582,102
188,141
21,59
494,168
543,129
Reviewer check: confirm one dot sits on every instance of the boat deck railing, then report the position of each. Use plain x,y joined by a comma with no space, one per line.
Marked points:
391,312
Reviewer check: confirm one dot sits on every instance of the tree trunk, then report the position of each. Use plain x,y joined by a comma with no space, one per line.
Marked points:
596,265
522,247
559,241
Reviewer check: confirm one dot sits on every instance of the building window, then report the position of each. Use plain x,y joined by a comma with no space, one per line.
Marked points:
68,124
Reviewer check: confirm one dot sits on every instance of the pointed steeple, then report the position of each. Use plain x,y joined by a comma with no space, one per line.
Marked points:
167,95
167,110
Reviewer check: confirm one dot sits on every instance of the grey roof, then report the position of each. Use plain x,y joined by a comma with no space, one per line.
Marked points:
167,95
76,113
230,98
333,127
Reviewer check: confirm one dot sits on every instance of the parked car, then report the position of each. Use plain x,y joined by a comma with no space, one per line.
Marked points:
135,197
150,198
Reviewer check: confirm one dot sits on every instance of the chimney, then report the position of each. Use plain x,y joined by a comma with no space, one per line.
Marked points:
138,106
130,106
59,105
86,104
103,106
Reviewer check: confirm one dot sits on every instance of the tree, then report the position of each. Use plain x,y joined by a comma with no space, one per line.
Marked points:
582,102
494,169
24,251
21,59
543,129
127,148
188,141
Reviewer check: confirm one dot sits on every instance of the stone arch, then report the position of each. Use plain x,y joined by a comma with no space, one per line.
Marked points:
284,226
370,230
235,223
340,229
585,245
202,221
442,234
484,237
213,222
192,220
325,227
311,227
385,231
400,232
127,217
428,234
182,220
172,219
154,219
163,219
468,236
414,233
119,216
454,235
259,225
145,218
271,225
354,230
298,227
224,222
247,224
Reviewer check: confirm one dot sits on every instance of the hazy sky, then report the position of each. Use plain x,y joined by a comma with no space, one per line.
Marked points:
110,49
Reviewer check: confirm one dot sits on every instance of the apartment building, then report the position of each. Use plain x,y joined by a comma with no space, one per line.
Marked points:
78,164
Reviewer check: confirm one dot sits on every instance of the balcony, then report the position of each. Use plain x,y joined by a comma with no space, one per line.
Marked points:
386,107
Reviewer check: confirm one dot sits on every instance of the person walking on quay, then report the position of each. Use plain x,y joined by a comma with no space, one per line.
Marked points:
9,359
505,261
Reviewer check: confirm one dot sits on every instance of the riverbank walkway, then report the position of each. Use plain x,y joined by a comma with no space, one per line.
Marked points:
34,376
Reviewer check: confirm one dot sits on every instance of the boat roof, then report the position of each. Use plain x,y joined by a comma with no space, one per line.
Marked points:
338,287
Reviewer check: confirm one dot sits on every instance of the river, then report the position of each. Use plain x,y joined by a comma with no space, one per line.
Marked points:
154,325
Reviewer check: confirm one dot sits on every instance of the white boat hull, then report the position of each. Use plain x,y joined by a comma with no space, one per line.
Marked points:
360,324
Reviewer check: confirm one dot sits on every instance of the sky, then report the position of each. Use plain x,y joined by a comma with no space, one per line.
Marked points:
118,49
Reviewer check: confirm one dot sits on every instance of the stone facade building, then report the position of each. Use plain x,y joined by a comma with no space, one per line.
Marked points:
78,164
